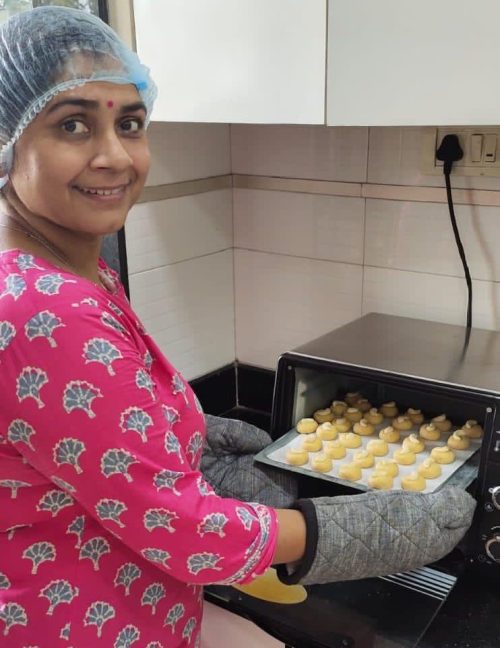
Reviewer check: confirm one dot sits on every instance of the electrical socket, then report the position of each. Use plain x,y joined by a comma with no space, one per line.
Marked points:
481,147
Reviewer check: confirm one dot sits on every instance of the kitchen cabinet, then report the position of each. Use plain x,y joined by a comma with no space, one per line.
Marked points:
401,62
250,61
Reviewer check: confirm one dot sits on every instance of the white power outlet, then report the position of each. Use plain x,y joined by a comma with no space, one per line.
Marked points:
481,147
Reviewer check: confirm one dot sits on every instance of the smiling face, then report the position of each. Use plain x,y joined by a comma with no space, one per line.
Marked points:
83,161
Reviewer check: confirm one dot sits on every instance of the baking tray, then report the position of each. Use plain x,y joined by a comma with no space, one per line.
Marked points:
459,473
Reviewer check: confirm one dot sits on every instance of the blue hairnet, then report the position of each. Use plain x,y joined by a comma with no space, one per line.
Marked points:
52,49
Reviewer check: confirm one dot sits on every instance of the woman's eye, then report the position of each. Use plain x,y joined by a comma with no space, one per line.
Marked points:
75,126
132,125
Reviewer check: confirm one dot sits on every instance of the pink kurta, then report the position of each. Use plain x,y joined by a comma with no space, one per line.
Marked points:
107,528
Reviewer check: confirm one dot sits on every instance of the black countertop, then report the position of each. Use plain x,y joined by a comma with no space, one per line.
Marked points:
470,617
374,613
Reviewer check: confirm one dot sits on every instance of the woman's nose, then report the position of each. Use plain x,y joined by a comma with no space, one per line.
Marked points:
110,153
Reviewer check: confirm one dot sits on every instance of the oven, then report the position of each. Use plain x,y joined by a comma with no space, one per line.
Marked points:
437,368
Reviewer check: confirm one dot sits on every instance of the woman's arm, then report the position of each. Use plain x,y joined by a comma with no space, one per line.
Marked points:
291,543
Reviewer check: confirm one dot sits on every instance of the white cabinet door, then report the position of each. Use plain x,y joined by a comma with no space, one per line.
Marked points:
413,62
254,61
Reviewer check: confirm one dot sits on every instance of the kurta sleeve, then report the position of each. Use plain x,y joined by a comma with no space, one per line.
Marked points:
87,412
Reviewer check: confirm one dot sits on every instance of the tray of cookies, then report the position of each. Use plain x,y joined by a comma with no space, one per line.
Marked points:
354,443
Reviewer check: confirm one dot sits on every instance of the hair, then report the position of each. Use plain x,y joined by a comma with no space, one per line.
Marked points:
41,55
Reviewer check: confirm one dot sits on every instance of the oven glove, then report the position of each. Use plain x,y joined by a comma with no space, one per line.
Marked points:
227,464
378,533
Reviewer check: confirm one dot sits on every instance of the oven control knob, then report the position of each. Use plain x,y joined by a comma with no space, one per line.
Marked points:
495,496
492,546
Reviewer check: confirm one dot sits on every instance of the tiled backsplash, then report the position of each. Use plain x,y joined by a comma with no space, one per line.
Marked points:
180,250
327,224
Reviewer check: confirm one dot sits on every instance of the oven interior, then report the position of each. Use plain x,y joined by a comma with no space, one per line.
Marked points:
304,385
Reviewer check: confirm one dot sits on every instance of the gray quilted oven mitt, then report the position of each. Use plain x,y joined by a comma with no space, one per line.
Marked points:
378,533
228,466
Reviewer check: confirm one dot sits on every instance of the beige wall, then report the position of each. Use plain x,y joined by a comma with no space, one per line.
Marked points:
363,230
322,225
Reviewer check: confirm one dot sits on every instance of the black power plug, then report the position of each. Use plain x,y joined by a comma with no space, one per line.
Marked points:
449,151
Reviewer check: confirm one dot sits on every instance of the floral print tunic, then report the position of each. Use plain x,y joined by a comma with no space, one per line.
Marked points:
108,531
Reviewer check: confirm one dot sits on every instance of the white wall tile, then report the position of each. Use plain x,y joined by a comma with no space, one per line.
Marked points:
284,301
431,297
395,157
187,151
188,308
419,236
306,225
316,152
168,231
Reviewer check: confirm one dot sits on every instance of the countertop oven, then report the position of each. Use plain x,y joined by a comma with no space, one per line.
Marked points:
438,368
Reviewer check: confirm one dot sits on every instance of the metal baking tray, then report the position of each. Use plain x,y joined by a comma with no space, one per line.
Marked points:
461,472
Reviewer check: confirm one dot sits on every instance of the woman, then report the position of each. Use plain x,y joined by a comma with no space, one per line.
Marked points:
108,530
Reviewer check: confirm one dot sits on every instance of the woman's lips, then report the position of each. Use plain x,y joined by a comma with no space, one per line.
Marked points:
103,194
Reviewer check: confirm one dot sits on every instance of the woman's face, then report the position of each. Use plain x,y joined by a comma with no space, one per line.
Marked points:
83,161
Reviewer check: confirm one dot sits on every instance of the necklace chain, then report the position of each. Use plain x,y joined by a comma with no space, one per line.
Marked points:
41,240
46,244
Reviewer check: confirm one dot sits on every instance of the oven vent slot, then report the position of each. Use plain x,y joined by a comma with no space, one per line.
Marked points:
427,581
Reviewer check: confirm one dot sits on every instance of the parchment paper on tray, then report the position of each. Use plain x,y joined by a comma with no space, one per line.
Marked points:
275,453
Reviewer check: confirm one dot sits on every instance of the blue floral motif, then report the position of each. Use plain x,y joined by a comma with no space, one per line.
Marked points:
204,487
135,419
79,394
195,445
50,284
7,334
246,518
213,523
152,595
205,560
54,501
102,351
188,629
179,387
15,285
127,636
20,432
14,485
97,614
68,451
175,613
159,518
29,383
126,575
143,381
108,320
171,415
156,555
12,614
167,479
116,310
27,262
43,324
38,553
172,445
117,461
94,549
57,592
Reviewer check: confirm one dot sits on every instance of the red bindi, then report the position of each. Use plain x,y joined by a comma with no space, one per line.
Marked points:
110,104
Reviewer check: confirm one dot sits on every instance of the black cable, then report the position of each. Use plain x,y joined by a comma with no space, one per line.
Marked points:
449,152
